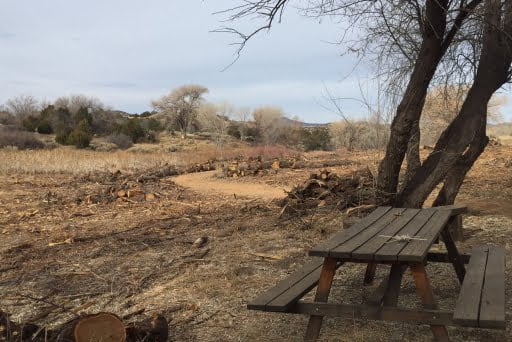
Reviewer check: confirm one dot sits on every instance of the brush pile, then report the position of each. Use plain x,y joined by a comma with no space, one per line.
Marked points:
325,188
257,166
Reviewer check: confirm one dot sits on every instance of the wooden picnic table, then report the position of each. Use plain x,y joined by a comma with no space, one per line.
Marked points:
401,238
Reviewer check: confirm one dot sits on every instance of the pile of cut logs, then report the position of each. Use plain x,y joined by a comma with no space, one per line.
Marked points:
327,188
258,166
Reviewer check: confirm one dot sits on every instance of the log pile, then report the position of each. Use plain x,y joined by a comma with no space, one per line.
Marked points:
258,166
103,326
325,188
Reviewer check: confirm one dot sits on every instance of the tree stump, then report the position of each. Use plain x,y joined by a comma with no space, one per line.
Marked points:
103,326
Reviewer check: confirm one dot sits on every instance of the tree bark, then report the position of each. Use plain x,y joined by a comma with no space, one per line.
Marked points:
455,178
492,73
413,151
409,109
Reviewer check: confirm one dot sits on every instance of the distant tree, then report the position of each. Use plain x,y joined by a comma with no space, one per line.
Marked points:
315,138
214,118
243,115
269,121
73,103
22,106
181,105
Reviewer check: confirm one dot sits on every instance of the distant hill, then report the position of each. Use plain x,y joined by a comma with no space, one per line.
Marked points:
306,124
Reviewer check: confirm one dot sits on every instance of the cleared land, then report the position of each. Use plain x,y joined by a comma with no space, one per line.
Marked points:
65,241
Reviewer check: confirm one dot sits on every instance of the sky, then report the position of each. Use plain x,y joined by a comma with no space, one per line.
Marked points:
127,53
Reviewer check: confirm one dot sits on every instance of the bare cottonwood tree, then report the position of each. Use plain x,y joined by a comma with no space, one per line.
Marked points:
22,106
73,103
269,121
243,115
181,105
419,43
214,118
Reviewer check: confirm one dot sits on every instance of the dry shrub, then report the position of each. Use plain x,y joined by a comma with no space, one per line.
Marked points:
19,139
121,140
72,161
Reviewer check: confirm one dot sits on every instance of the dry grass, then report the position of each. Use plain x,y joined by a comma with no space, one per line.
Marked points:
139,157
506,140
73,161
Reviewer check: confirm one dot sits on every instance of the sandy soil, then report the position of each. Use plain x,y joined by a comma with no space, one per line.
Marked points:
209,183
124,256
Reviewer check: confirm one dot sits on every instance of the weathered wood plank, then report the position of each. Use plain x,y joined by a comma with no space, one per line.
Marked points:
427,298
444,257
416,250
468,304
324,247
453,253
454,209
368,249
345,250
286,299
322,294
260,302
492,307
434,317
395,280
390,251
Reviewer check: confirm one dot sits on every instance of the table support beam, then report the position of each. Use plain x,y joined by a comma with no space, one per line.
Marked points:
453,253
322,294
369,275
427,297
374,312
395,280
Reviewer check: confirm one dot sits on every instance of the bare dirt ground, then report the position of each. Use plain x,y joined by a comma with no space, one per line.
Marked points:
124,256
210,183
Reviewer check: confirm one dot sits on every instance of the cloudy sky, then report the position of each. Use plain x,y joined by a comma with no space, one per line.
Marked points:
127,53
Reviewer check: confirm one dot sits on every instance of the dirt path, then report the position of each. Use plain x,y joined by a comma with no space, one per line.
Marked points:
207,183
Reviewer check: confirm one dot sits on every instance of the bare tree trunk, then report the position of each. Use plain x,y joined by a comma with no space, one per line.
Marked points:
465,129
455,178
409,109
413,151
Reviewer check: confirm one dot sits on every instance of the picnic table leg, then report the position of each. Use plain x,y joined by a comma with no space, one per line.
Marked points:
322,294
395,280
453,253
369,275
427,297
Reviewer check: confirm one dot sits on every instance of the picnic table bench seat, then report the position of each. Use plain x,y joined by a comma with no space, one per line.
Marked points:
288,291
481,301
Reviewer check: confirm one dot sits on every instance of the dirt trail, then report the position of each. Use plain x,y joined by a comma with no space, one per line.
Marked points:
207,183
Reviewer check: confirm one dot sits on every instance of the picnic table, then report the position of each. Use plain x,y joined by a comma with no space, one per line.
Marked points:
402,238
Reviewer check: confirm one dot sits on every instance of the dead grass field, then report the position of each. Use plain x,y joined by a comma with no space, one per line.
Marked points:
124,256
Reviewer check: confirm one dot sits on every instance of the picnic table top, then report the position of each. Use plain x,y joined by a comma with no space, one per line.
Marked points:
387,235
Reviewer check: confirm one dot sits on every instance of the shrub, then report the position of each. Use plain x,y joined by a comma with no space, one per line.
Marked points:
7,118
30,123
19,139
62,137
120,140
44,127
79,138
133,129
315,139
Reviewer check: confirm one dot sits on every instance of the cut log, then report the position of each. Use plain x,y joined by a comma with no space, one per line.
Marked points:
104,326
